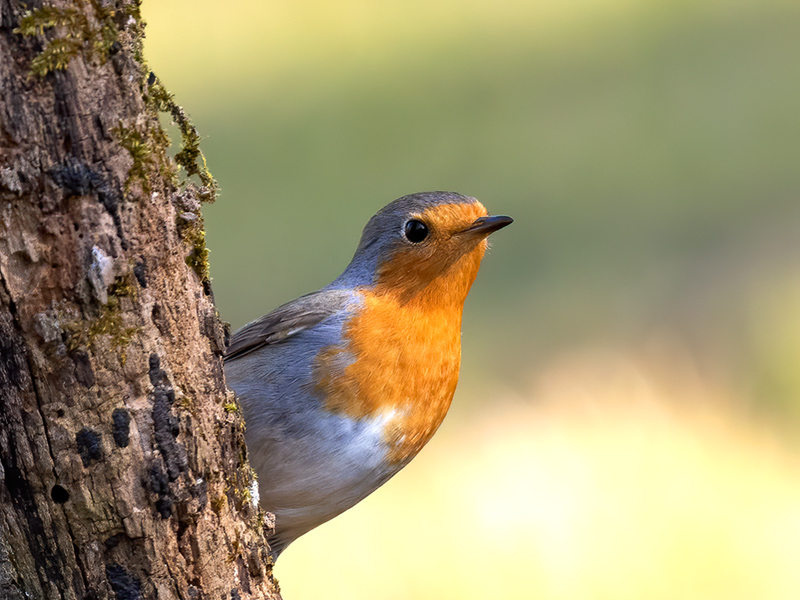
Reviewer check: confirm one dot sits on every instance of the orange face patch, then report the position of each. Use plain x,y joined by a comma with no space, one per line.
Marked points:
446,262
406,340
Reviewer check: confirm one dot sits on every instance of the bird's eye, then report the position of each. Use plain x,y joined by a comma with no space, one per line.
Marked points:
416,231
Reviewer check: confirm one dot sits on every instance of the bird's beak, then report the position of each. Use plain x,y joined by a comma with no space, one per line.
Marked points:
487,225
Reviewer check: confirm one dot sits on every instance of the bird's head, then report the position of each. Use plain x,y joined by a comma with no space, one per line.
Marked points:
425,245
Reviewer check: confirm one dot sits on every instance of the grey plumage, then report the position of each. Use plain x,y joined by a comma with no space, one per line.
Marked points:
285,321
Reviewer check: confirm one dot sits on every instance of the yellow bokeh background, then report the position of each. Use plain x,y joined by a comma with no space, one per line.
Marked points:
626,422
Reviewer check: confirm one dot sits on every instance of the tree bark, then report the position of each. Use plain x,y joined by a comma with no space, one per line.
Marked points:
123,468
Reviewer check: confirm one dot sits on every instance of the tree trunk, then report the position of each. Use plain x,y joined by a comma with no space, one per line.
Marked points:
123,469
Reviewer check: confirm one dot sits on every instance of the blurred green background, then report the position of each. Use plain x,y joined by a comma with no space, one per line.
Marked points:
629,402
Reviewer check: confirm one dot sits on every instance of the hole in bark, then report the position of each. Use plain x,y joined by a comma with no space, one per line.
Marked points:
140,272
60,413
59,494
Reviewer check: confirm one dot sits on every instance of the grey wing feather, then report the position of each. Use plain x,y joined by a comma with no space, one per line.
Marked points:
286,321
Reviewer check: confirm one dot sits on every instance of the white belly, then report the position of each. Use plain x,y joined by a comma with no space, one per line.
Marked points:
310,475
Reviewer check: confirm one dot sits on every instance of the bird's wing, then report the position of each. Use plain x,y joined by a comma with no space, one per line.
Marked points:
286,321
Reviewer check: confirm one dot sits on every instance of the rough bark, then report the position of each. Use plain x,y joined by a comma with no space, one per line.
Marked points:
123,469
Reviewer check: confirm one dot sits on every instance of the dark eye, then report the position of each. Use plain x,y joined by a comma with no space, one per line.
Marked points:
416,231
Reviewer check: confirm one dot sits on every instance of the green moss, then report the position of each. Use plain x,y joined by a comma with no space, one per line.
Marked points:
191,229
236,549
231,407
109,322
148,149
138,146
218,503
34,22
244,495
79,35
123,287
190,158
56,56
241,487
261,519
186,403
147,144
198,257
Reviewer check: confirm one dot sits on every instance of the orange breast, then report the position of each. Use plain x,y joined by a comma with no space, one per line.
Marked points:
406,354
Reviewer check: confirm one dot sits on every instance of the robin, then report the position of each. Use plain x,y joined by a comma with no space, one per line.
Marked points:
342,387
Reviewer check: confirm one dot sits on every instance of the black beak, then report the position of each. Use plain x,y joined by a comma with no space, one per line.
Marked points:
487,225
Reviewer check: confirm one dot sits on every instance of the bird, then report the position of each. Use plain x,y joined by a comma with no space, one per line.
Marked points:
342,387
